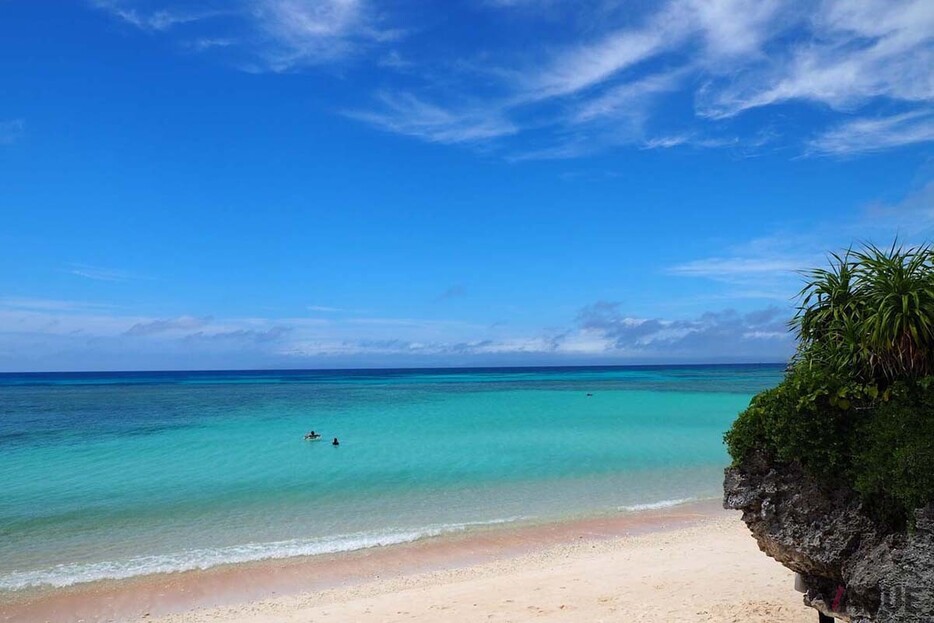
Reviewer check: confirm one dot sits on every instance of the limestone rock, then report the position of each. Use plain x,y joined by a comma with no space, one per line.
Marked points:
855,569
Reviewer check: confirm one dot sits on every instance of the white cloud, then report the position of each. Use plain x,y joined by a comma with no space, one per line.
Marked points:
876,133
587,65
327,309
207,43
575,147
302,19
630,99
842,54
47,334
705,336
769,267
766,268
276,35
731,33
311,32
585,342
42,304
735,29
601,81
856,51
405,113
693,140
667,142
157,20
99,274
734,266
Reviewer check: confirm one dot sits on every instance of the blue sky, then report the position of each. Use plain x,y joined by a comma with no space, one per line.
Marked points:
332,183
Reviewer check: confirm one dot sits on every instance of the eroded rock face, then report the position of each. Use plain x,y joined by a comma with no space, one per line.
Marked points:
854,569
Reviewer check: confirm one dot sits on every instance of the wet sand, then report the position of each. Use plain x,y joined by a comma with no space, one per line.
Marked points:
626,567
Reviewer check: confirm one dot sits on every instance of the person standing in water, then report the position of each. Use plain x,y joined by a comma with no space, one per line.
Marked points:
335,442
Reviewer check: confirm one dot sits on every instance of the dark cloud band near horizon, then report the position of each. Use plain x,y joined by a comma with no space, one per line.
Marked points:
600,334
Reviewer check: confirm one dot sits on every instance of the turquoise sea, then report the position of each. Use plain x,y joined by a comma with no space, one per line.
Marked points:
110,475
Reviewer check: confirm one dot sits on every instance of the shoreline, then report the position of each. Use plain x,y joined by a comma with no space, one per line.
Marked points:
231,584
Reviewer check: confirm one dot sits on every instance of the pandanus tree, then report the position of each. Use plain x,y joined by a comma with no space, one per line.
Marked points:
856,408
870,315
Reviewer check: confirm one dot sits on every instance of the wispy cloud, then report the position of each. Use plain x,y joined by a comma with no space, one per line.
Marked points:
769,267
11,131
98,273
735,56
695,140
202,44
856,51
49,305
324,309
630,99
580,67
153,327
765,268
405,113
158,19
670,74
574,146
735,266
274,35
735,30
302,32
48,334
876,134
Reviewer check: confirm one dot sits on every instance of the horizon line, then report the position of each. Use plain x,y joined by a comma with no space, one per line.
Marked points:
404,368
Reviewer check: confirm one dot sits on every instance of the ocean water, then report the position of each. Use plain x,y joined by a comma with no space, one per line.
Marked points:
119,474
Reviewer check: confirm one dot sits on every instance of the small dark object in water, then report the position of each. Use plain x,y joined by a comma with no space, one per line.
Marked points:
589,395
335,442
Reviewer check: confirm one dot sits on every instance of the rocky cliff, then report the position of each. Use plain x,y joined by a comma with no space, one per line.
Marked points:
854,568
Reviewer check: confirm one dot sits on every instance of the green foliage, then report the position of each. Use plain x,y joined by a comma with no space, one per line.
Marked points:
809,418
856,409
893,455
878,443
870,315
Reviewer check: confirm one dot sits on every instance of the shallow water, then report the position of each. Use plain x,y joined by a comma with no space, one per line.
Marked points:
113,475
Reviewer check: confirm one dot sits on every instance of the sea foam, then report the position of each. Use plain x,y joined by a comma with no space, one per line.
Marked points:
199,559
655,505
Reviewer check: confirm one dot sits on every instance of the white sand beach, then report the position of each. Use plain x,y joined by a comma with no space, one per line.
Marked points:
711,572
672,565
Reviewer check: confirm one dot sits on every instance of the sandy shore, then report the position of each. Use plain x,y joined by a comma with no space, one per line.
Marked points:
693,563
